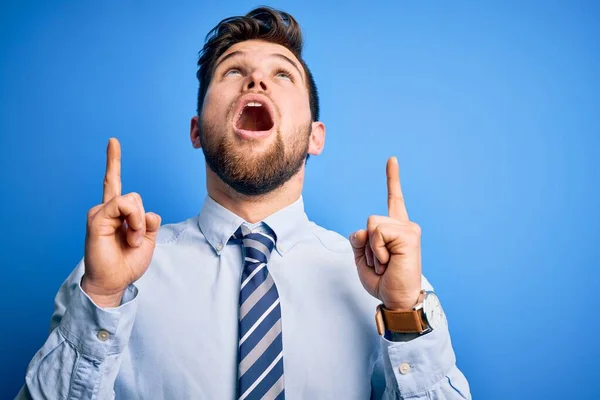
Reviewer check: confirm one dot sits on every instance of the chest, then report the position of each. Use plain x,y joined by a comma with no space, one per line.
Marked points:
185,338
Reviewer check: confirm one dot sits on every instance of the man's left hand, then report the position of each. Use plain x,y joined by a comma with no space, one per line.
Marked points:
388,252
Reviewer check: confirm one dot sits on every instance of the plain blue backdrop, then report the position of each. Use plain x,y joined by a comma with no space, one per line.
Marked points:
492,109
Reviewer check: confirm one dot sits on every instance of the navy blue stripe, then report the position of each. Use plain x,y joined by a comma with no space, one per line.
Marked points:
238,233
258,310
263,387
261,364
251,286
260,331
248,269
281,395
257,255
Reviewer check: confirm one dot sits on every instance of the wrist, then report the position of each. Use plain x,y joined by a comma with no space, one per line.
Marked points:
405,306
100,297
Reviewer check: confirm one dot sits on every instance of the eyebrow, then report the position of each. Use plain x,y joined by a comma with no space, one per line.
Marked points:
276,55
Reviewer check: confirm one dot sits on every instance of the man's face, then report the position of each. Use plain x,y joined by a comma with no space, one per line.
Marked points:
255,124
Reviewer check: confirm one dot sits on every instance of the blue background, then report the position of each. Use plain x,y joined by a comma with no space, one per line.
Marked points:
492,110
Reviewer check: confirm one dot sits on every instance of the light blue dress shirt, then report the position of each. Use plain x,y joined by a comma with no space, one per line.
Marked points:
175,337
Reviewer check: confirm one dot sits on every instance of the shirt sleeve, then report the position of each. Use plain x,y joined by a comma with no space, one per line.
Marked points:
422,368
81,357
419,366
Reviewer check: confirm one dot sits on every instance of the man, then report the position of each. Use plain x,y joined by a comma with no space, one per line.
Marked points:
249,299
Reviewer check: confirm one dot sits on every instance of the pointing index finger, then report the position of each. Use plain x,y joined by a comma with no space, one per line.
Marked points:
396,206
112,178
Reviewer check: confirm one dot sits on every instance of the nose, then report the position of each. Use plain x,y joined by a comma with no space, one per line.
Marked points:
256,82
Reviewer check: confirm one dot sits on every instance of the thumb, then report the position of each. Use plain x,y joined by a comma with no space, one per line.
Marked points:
152,225
358,240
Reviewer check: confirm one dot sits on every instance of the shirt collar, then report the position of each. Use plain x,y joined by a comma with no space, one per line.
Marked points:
218,224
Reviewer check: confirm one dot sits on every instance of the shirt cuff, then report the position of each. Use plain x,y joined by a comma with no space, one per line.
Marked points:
99,332
417,365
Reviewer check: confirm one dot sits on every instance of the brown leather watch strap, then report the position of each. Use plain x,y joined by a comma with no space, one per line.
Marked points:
399,321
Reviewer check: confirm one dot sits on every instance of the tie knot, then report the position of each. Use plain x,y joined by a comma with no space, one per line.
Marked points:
258,244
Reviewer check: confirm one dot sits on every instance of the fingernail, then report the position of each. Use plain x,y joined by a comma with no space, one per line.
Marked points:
139,241
353,237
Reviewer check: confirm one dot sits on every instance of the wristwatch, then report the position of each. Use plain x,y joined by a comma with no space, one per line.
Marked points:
426,316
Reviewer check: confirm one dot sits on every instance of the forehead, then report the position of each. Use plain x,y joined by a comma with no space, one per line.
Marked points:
259,49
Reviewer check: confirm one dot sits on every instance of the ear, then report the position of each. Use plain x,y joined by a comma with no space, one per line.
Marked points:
317,138
195,132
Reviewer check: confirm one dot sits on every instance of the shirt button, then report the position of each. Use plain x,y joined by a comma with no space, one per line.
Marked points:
404,368
103,336
281,248
219,247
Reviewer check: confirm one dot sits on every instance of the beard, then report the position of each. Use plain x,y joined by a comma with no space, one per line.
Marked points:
247,172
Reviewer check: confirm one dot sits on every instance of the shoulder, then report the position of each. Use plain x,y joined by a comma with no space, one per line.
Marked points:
329,239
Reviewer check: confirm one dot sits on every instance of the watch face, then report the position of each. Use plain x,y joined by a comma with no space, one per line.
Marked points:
433,310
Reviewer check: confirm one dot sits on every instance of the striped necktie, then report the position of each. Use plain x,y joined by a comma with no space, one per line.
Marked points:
260,352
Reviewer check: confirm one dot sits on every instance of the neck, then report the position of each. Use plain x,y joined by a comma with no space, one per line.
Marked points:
254,208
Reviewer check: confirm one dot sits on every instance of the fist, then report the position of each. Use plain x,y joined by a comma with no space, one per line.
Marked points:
388,252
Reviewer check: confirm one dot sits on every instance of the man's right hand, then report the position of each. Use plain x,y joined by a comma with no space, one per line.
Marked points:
120,237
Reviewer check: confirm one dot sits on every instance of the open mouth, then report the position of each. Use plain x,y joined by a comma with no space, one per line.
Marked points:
255,117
